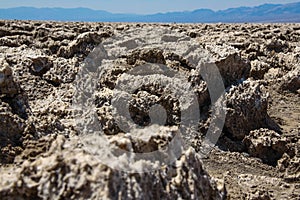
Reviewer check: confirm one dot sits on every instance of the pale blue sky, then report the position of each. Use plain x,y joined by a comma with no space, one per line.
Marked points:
140,6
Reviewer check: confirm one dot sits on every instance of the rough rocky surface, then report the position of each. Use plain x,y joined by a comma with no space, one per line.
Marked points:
246,109
62,173
266,145
44,156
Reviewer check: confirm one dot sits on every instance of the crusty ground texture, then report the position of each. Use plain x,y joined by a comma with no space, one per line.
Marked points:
257,156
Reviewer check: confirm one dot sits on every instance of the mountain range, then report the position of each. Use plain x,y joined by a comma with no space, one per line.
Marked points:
263,13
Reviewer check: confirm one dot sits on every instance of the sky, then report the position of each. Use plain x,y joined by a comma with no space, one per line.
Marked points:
140,6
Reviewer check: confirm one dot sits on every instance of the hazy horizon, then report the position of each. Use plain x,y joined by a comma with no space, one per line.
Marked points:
139,6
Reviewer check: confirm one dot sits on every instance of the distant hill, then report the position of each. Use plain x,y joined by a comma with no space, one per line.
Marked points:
264,13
